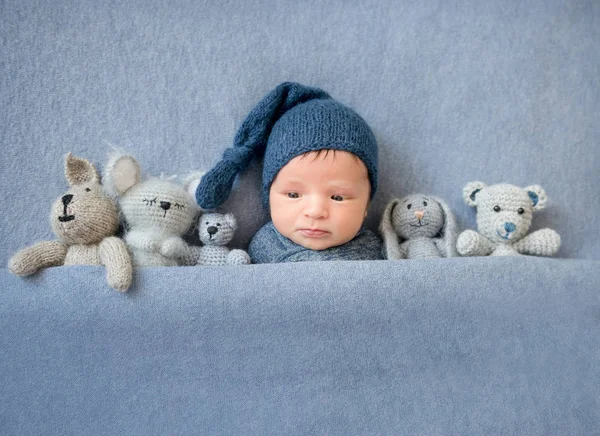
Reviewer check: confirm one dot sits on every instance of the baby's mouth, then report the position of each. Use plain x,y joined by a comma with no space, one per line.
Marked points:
313,233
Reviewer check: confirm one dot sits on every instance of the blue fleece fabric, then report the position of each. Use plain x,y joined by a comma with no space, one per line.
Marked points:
270,246
466,347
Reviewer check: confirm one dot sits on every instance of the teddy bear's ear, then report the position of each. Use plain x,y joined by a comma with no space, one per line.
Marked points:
538,196
470,192
230,220
79,171
121,173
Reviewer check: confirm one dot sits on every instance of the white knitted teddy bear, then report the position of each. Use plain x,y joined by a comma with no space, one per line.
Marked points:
158,212
215,231
504,214
85,220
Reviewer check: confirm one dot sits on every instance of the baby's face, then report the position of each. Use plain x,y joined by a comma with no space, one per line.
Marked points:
320,201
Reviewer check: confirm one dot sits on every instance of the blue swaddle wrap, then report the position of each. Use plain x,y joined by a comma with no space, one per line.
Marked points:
270,246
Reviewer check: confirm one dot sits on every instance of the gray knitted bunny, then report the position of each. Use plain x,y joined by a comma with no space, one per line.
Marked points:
158,212
416,227
504,214
215,231
85,220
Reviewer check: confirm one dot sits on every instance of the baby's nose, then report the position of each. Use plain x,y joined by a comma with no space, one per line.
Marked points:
419,214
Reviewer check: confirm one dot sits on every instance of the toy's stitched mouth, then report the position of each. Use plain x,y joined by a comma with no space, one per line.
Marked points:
420,224
66,218
506,238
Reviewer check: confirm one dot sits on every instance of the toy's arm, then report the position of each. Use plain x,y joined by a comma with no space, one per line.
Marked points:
545,242
115,257
471,243
143,241
175,247
238,257
40,255
403,250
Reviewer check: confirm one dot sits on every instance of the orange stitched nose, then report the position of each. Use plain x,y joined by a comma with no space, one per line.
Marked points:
419,214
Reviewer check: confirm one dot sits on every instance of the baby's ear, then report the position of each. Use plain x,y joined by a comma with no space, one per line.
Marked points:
120,174
538,196
470,192
79,171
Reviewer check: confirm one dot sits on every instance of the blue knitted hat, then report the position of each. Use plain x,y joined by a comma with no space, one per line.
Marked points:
289,121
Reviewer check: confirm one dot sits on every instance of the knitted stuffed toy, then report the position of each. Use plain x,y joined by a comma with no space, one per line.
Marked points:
215,231
157,211
84,219
504,214
418,226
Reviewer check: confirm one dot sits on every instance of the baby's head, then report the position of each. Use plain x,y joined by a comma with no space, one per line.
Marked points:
311,144
319,199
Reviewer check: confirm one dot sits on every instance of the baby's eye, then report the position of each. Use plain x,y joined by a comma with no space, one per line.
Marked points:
408,206
337,198
293,195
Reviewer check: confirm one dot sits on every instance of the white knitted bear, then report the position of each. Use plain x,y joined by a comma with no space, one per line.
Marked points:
504,214
215,231
158,212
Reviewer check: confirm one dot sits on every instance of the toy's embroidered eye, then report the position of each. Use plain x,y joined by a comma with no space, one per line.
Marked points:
149,202
206,222
218,224
179,206
337,198
408,206
293,195
87,189
497,209
521,211
424,203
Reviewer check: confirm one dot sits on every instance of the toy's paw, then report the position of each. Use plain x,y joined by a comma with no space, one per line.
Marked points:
21,264
174,247
120,279
467,243
143,241
544,242
238,257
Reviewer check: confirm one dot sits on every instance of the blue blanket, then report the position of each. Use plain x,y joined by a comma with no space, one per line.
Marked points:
507,346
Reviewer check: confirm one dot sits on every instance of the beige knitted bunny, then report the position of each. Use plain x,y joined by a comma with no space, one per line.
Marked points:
85,220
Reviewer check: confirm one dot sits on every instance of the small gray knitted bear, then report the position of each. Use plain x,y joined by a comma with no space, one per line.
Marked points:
417,227
158,212
85,220
504,214
215,231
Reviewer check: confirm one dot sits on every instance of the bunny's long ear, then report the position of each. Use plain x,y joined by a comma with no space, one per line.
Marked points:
191,182
449,232
79,171
391,248
121,173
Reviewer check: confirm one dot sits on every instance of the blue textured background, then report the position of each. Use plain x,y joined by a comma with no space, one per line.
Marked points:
455,91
